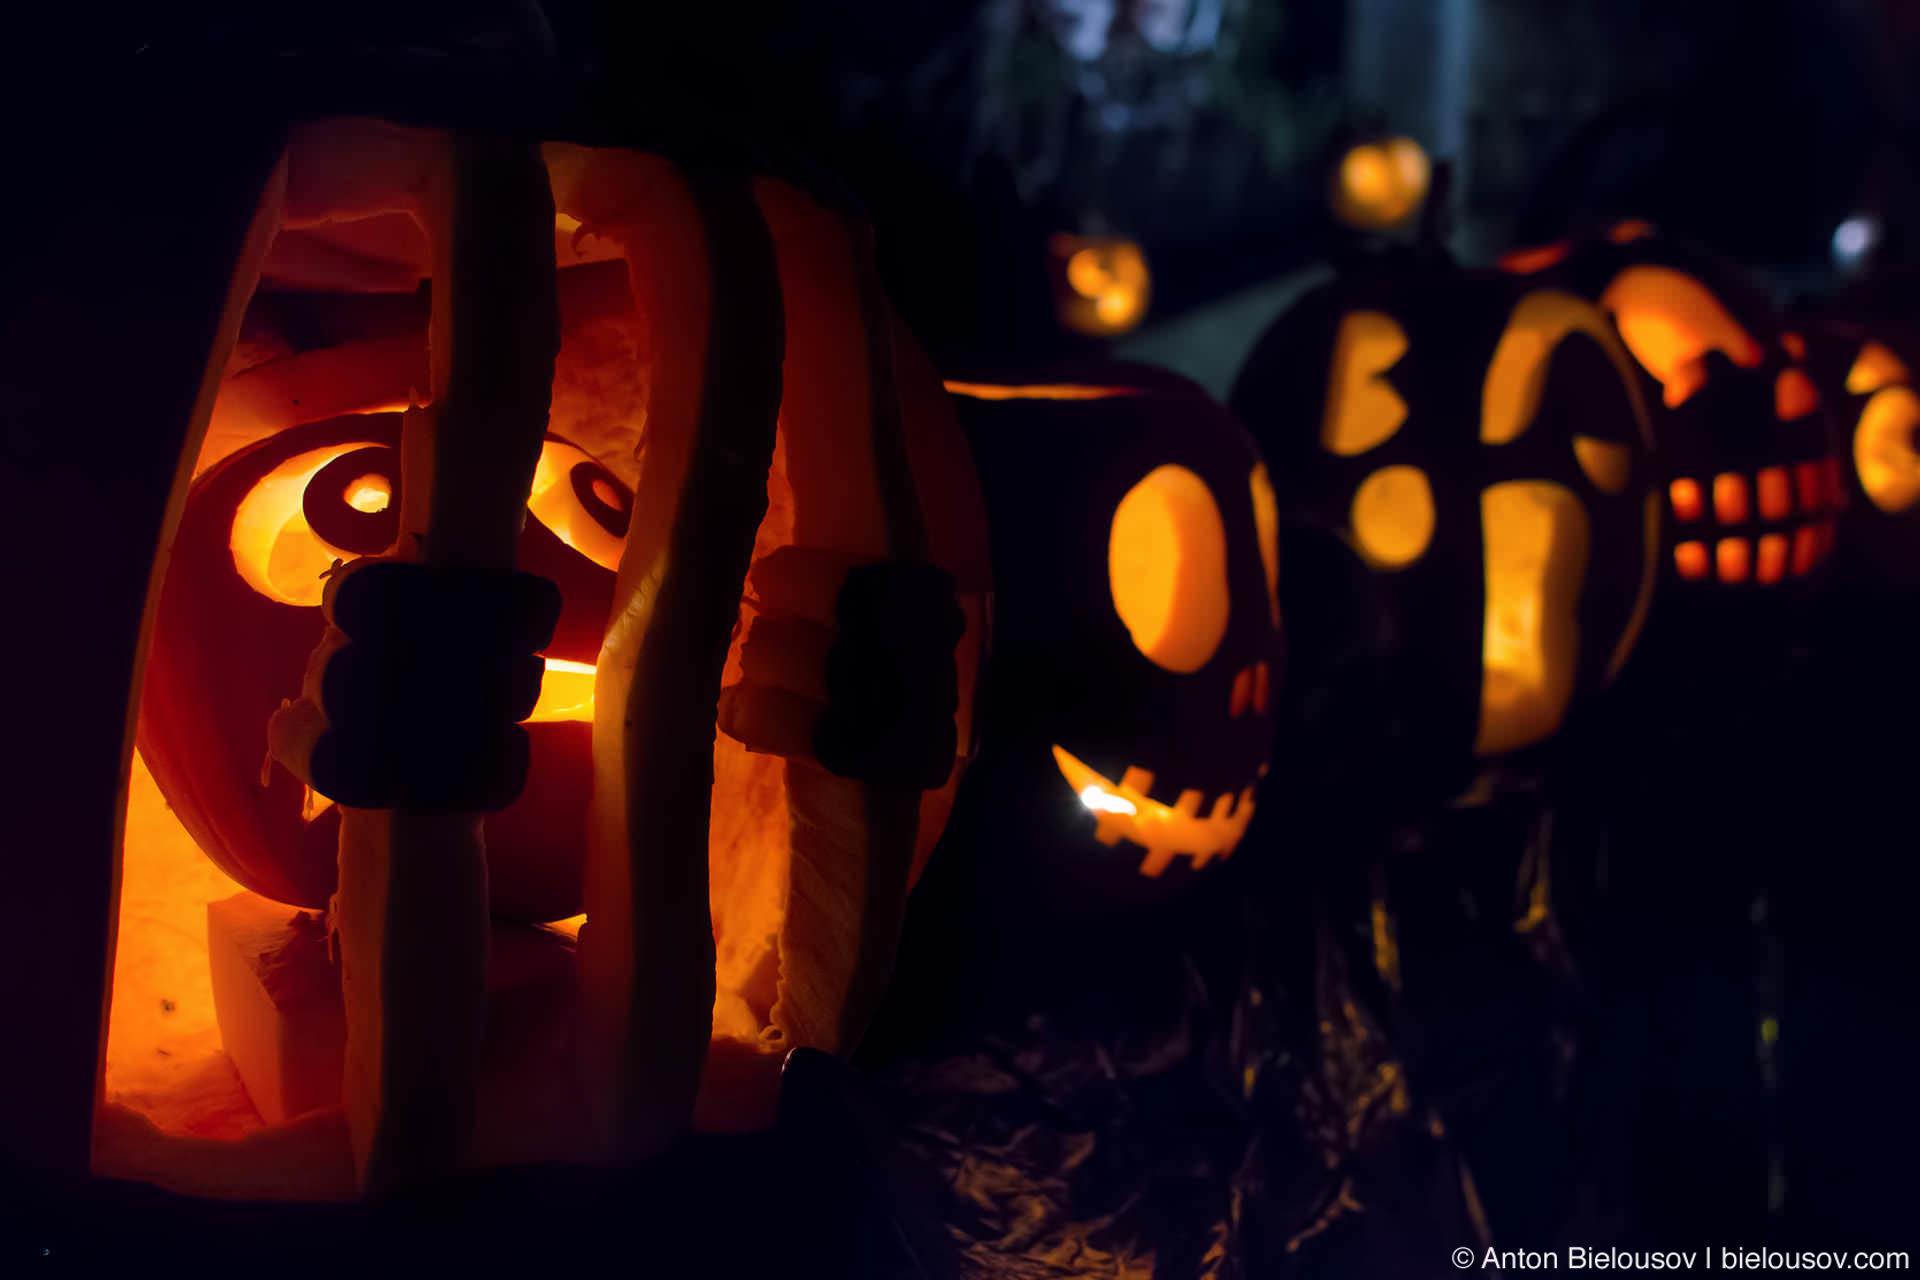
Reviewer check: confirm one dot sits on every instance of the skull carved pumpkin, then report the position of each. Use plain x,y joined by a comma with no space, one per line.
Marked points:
1753,486
1483,450
1137,642
1866,380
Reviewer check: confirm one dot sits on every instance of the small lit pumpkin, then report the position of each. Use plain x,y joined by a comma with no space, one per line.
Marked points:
1379,183
1137,641
1482,447
1754,487
1866,379
1101,284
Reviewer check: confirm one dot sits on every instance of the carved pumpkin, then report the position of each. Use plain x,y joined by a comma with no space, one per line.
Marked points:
1137,642
1101,285
1378,184
1866,380
1482,448
238,615
802,868
1753,485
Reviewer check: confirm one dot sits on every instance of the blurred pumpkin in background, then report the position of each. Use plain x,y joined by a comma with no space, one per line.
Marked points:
1866,379
1753,485
1101,284
1481,447
1379,183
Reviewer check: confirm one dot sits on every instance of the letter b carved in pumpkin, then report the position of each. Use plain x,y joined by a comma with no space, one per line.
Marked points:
1483,450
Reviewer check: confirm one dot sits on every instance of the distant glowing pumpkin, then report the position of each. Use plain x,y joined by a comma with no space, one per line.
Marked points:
1866,377
1378,185
1101,284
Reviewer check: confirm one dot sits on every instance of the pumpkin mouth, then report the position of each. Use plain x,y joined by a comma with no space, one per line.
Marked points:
1814,489
566,692
1127,812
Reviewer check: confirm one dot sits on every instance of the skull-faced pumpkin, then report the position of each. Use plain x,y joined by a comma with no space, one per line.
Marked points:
1866,379
1482,448
1753,484
1137,632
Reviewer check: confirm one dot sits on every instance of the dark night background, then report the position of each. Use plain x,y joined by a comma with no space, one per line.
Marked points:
1762,876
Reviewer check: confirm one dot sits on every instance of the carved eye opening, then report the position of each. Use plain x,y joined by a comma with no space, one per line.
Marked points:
1167,568
583,503
353,503
311,510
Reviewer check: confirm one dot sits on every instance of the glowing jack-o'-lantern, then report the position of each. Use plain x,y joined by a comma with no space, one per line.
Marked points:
1377,185
1866,379
239,613
789,448
1101,285
1483,449
1754,488
1137,644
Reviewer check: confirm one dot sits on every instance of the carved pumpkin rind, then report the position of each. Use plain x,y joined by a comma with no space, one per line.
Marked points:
791,958
1482,447
1138,655
1754,485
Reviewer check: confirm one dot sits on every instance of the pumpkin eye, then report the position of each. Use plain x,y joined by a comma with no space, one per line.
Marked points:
336,503
1167,567
581,502
1883,449
1669,321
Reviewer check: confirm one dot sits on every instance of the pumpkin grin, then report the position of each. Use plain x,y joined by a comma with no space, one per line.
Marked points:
1127,812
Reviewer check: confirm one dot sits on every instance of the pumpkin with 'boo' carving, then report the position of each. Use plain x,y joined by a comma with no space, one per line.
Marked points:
1482,449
